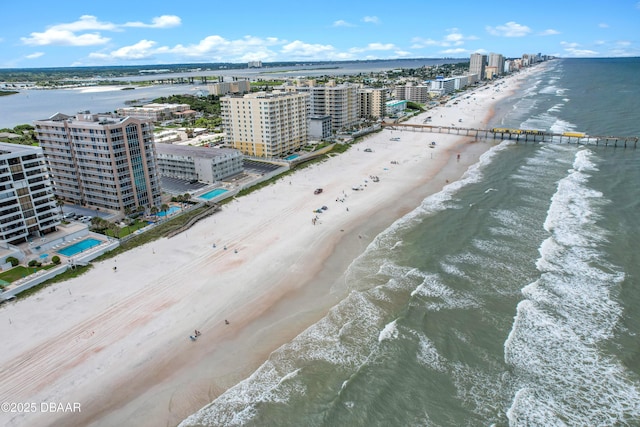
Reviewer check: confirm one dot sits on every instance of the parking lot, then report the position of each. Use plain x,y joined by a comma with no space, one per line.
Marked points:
179,186
253,166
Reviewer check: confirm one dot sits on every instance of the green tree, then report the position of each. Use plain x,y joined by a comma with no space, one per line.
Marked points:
59,204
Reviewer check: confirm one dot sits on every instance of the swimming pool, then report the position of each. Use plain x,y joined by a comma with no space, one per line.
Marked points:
82,245
170,211
291,157
213,193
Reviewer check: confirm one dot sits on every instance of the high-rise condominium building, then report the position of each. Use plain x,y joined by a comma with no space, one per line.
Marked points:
372,102
338,101
27,205
477,63
101,161
266,124
497,60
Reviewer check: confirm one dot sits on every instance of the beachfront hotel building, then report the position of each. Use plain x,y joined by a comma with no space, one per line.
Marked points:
27,205
101,161
477,64
496,61
372,102
266,124
412,92
340,102
204,164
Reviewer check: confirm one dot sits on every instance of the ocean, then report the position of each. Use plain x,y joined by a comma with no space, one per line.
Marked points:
510,298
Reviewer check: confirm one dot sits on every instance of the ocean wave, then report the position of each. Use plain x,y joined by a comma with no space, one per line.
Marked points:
562,374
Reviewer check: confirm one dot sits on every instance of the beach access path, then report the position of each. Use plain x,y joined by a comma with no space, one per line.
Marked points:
117,342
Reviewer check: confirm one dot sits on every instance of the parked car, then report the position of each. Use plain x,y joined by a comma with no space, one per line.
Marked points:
317,191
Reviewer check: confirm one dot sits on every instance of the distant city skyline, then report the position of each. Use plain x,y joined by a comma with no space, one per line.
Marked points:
133,33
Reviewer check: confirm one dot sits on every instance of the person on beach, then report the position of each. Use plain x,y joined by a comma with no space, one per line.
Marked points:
226,322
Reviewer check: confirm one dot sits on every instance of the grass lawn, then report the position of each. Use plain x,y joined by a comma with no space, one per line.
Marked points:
18,272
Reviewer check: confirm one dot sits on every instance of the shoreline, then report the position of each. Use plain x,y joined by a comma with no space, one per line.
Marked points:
124,355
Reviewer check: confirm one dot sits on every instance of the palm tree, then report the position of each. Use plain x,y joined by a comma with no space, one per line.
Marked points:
113,227
186,197
153,210
59,204
164,208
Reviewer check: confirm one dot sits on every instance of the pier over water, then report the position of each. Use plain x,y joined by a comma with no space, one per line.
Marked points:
523,135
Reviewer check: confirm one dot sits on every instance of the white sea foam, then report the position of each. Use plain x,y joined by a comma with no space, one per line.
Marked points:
428,354
389,332
435,295
563,375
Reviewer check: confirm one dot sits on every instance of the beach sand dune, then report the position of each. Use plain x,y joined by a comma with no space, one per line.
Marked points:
118,342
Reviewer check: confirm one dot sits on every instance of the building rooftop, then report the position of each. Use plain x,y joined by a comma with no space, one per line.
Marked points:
191,151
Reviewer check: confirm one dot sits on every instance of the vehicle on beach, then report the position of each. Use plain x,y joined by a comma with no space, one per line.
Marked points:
395,139
368,150
317,191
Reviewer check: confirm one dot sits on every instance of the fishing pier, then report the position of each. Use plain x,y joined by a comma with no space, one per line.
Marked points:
523,135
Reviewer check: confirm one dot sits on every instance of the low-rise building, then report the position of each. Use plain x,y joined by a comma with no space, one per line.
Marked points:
198,163
157,112
320,127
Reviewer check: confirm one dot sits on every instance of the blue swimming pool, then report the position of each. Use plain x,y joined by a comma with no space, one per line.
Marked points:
291,157
170,211
213,193
82,245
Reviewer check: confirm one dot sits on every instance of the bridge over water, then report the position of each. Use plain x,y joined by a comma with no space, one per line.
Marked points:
524,135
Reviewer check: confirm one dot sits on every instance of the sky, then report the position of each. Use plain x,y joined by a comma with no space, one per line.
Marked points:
93,33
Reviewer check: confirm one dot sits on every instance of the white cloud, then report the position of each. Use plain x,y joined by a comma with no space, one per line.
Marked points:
34,55
300,49
454,51
510,29
603,25
85,23
371,19
342,23
453,38
549,32
64,38
164,21
381,46
373,47
572,49
86,31
140,50
419,42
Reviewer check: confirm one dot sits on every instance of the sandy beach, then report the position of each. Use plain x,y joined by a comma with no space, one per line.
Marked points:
117,343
